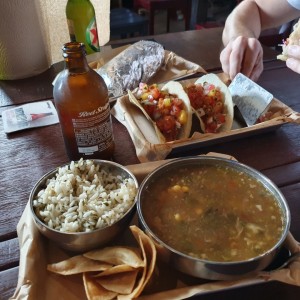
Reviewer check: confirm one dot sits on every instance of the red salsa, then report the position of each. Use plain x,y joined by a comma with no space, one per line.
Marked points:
165,109
208,101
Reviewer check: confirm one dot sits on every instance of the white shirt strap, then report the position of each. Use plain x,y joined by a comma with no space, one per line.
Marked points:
294,3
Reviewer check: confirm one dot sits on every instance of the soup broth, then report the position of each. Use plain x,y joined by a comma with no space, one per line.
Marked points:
215,213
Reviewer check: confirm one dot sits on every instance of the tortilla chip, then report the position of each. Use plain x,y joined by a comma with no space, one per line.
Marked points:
77,264
121,283
140,283
149,248
115,270
117,256
95,291
149,255
118,272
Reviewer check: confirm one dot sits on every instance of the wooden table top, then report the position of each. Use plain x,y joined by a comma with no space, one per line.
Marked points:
27,155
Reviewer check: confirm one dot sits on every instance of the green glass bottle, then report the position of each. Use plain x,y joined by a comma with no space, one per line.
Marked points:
82,24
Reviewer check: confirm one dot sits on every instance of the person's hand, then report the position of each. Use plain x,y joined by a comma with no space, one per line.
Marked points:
243,55
293,62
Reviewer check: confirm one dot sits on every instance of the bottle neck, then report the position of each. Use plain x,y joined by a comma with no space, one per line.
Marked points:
78,1
75,58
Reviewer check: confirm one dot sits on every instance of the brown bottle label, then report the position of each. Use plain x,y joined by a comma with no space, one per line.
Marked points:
93,130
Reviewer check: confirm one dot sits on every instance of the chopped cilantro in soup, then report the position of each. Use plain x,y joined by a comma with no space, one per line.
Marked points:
213,213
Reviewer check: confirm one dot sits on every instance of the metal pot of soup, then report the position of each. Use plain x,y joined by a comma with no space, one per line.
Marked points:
213,218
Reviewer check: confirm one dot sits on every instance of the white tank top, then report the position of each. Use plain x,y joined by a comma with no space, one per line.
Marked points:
294,3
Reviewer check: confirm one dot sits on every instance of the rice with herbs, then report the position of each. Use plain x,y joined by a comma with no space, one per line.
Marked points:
84,196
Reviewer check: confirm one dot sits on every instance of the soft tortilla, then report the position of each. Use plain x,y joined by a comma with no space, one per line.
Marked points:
228,103
175,88
293,39
134,101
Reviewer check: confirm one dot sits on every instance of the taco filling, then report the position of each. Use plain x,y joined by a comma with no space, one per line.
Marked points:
167,110
209,103
293,39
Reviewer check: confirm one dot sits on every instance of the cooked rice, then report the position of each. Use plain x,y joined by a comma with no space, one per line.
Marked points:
83,197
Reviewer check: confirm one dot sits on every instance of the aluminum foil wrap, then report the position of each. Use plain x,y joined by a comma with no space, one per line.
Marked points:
138,63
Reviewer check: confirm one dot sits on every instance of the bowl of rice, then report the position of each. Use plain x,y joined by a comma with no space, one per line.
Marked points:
84,204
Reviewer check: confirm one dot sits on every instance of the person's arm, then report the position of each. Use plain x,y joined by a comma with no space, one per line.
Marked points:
238,23
243,52
250,17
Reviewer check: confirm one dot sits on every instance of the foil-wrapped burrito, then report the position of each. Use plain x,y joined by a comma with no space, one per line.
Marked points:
138,63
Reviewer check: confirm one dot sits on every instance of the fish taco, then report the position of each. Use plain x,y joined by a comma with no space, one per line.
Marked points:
168,109
211,101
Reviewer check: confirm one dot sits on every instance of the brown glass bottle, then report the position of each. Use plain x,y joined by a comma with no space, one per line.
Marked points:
81,100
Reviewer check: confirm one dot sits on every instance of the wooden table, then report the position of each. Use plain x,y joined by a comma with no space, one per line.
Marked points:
26,156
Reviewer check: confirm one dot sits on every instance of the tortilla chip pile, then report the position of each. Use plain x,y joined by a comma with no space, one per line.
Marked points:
115,272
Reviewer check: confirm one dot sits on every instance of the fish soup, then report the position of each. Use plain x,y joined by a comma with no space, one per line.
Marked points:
212,212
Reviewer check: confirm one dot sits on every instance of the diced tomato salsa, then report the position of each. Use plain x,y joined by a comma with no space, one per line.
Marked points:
208,101
165,109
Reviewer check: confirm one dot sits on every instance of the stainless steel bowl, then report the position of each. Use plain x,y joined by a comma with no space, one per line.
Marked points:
200,267
85,241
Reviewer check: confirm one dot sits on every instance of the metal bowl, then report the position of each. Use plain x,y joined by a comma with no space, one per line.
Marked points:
205,268
85,241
